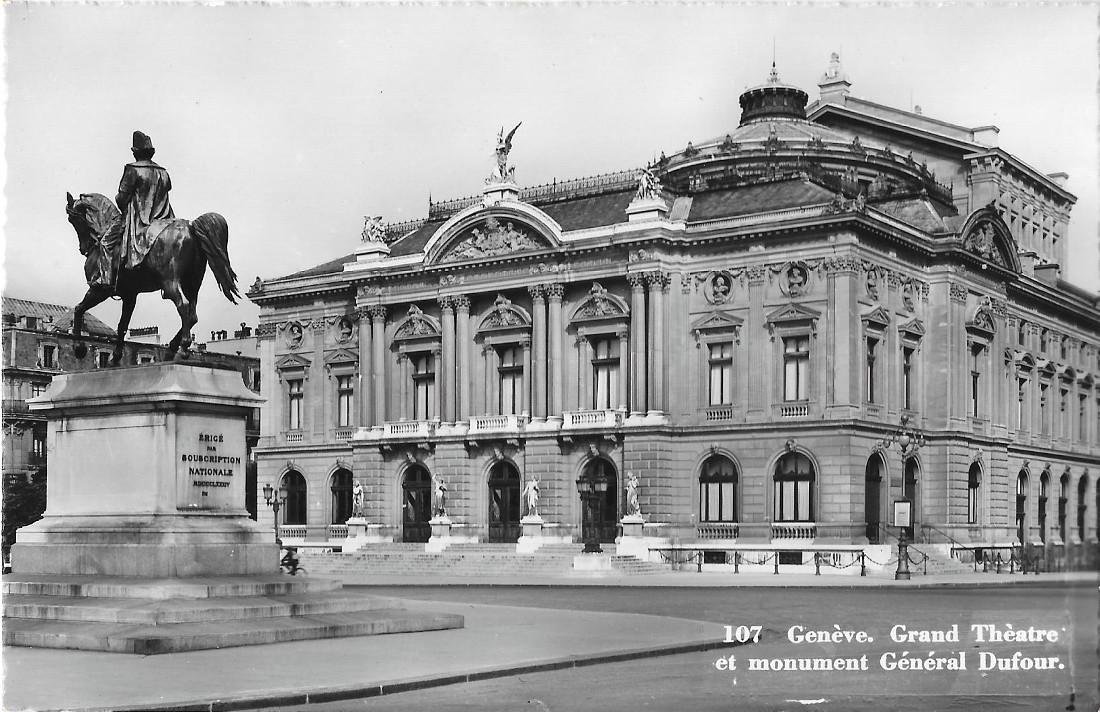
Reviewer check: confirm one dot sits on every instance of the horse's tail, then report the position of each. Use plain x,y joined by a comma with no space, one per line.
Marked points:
212,233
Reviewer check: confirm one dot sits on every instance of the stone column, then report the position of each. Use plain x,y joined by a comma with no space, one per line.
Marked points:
658,284
554,294
272,416
318,398
446,370
526,391
378,358
637,343
366,392
624,364
462,353
758,367
958,365
437,355
487,368
538,339
583,375
403,371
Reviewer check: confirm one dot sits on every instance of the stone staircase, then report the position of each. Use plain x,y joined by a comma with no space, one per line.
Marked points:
474,559
151,616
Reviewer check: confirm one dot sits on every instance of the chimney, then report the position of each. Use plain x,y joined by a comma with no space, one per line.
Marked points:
1048,273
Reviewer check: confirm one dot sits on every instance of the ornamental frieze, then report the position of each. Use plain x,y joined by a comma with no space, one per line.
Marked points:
265,330
492,238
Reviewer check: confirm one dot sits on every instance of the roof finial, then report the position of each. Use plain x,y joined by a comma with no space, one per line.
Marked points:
773,77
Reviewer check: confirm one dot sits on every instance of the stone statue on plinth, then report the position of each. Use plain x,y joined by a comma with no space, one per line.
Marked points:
633,508
503,173
357,500
531,495
440,496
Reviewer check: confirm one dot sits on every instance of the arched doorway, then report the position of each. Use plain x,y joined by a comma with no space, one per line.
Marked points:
1021,507
294,509
911,491
872,498
973,492
416,504
606,520
1083,504
341,496
503,503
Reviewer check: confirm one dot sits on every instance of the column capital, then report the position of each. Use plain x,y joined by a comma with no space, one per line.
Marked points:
636,280
363,313
447,303
525,342
537,291
266,330
377,312
622,334
657,280
402,357
555,292
842,263
462,302
580,339
958,292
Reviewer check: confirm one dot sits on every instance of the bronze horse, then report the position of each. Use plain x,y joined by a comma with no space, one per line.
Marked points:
175,264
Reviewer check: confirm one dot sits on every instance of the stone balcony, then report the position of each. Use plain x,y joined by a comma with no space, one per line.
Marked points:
497,425
592,419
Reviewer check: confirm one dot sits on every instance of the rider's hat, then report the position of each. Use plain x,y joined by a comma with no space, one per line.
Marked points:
141,141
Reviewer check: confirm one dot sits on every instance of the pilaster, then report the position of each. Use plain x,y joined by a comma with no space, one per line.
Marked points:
658,285
538,338
554,294
637,343
462,354
378,359
366,378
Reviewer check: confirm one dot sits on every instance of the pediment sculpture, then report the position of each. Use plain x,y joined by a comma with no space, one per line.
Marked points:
416,324
980,241
492,238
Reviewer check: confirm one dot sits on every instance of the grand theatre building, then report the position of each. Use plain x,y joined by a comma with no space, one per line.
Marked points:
780,330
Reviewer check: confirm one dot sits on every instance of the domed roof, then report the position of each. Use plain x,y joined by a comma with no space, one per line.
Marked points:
773,99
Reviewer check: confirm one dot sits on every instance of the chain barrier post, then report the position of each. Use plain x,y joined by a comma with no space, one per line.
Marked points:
736,562
775,558
817,563
699,562
862,562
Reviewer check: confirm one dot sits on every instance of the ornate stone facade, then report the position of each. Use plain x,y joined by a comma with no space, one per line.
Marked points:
832,297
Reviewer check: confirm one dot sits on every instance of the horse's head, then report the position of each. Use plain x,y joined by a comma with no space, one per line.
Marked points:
90,216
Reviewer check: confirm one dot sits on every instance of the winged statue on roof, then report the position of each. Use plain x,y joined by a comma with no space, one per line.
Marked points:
504,147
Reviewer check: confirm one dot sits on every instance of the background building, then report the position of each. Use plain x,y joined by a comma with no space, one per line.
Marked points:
36,346
780,330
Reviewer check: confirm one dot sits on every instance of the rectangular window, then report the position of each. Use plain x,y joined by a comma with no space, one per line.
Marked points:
1021,336
423,386
975,379
721,374
796,366
102,359
1021,404
1044,425
872,344
907,378
717,499
345,398
147,358
1082,418
511,380
49,356
38,445
294,391
38,389
1063,414
605,374
792,500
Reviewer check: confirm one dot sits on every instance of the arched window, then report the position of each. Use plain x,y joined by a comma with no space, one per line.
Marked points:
1021,506
294,510
718,490
341,496
872,502
793,494
1044,491
973,490
1082,505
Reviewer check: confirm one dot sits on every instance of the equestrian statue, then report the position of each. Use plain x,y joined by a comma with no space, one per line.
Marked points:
141,246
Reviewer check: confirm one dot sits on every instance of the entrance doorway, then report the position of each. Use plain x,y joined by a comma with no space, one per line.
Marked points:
1021,506
911,491
872,502
416,504
503,503
606,520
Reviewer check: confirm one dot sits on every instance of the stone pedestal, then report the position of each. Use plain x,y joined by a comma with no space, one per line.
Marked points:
441,534
361,532
531,538
634,541
147,470
646,209
632,525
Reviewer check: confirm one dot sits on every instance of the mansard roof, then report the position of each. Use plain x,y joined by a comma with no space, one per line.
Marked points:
759,198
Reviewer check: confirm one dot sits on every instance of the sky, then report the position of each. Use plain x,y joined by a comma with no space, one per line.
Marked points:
295,121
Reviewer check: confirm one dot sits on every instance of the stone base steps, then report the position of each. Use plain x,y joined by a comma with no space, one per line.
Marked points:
632,565
147,617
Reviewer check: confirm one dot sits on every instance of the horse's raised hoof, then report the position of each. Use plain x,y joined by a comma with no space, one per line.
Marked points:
80,350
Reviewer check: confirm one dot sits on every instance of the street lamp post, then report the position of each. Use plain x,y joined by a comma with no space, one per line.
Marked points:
903,518
592,491
276,501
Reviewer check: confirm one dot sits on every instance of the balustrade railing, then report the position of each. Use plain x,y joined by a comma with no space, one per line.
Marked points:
794,530
592,419
717,530
409,428
337,531
719,413
794,410
292,531
344,434
497,423
294,436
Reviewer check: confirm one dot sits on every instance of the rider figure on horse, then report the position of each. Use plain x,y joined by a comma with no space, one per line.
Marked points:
142,198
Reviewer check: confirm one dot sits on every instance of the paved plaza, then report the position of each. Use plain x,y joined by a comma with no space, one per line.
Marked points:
604,644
